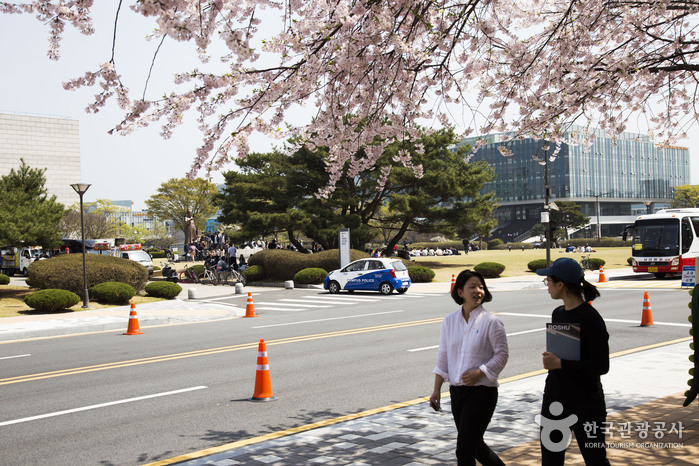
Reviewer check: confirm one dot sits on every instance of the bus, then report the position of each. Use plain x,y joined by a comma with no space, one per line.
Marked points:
664,242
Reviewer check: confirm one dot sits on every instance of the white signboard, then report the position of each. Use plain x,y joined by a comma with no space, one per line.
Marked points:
344,246
688,275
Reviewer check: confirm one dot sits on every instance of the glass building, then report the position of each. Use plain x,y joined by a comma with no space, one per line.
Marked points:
612,180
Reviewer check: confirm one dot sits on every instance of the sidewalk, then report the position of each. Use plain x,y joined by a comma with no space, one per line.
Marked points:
646,386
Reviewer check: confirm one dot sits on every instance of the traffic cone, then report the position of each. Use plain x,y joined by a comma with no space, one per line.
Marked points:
647,315
250,307
602,276
133,328
263,383
453,281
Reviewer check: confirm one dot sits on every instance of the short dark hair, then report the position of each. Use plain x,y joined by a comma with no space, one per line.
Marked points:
461,280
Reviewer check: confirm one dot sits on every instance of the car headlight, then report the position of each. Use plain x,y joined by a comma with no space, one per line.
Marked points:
675,262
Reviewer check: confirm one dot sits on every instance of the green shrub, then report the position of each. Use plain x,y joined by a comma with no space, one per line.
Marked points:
198,269
596,263
489,269
282,264
517,246
310,276
112,293
167,290
65,272
254,273
536,264
420,274
4,279
495,243
51,300
629,261
155,254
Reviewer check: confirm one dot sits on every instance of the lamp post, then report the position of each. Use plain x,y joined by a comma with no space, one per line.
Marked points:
81,189
547,207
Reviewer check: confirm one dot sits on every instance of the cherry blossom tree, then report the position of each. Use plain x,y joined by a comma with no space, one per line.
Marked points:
369,72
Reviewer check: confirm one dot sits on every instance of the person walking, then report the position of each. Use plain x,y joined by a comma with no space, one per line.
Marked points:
232,262
472,352
573,395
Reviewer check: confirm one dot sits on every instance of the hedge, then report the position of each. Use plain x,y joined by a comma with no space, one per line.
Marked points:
254,273
4,279
112,293
420,274
51,300
536,264
489,269
65,272
167,290
282,264
310,276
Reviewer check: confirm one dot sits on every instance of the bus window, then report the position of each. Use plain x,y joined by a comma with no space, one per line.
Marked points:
687,235
657,237
695,224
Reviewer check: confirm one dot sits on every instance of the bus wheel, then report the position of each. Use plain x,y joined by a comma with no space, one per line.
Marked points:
660,275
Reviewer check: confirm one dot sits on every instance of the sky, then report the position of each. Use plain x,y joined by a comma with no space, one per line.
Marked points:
118,167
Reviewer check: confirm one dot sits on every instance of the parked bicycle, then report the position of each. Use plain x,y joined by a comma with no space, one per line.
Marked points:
233,276
212,276
188,275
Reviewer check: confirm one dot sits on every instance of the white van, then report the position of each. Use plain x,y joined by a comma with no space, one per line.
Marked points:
135,253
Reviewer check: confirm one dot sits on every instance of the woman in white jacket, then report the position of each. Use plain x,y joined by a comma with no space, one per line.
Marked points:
472,352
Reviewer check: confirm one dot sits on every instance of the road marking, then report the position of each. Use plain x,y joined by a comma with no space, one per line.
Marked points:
290,301
212,351
18,356
325,320
97,406
509,335
620,321
370,412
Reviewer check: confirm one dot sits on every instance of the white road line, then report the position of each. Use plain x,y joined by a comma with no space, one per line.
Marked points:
284,301
621,321
277,304
18,356
509,335
97,406
330,318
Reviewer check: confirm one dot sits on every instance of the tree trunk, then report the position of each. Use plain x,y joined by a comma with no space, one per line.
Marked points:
297,244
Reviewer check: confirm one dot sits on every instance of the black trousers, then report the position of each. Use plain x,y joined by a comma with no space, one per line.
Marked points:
591,442
473,408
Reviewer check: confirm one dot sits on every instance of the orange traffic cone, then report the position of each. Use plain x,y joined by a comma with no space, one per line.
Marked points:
602,276
133,328
647,315
453,281
250,307
263,383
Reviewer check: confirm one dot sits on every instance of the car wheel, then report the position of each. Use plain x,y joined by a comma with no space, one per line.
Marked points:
402,290
334,287
385,288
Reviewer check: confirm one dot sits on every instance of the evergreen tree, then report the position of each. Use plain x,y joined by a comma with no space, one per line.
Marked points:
29,216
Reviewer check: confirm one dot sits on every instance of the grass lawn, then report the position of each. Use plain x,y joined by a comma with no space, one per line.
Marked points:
515,261
12,302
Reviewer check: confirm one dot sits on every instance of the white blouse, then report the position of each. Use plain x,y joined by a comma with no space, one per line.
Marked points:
479,344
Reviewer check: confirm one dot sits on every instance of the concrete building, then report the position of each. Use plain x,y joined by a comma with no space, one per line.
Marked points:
613,181
52,143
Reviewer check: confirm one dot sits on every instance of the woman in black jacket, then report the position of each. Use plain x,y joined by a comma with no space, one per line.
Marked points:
573,394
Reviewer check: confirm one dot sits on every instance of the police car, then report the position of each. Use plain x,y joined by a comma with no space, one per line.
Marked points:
372,274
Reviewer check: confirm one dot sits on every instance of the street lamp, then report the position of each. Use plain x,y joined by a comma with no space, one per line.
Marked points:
81,188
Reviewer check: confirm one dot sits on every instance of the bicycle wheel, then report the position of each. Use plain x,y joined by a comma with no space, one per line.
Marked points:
185,278
242,279
205,279
228,279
